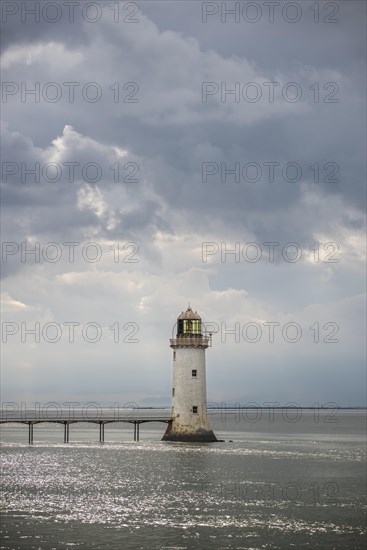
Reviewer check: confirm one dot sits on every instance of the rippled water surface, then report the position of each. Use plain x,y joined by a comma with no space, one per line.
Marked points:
270,485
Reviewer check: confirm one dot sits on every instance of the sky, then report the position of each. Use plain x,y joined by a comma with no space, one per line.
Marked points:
156,154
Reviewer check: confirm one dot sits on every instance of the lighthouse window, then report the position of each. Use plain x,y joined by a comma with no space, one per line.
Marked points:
173,392
195,409
194,373
174,356
189,326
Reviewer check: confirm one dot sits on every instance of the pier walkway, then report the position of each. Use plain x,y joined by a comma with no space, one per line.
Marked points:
101,417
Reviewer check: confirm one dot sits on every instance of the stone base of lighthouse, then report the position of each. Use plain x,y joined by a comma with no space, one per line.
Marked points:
187,433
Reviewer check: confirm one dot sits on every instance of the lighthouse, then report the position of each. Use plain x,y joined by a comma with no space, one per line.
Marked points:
189,422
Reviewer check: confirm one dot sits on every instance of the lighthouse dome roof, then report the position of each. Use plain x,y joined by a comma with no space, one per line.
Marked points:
189,314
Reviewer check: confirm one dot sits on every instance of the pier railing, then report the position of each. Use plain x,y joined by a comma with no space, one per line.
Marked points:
86,414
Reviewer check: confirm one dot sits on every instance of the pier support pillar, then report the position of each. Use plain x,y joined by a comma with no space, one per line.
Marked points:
136,431
101,432
66,432
30,432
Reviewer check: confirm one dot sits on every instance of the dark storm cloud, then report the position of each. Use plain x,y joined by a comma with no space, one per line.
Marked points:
28,22
275,45
271,138
176,134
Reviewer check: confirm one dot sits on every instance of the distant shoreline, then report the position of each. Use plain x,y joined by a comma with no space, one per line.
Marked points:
275,407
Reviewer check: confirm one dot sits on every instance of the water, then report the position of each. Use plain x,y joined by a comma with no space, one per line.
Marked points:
278,484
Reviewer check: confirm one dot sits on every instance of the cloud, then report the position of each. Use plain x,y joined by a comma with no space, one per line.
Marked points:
8,304
49,53
123,206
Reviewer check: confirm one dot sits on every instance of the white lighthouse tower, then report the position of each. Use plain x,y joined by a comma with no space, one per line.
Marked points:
190,422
